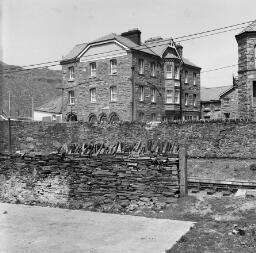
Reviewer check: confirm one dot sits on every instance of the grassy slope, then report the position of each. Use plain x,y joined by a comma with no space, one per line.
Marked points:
39,83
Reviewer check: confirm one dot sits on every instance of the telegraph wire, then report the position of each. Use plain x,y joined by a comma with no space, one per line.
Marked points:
215,69
146,46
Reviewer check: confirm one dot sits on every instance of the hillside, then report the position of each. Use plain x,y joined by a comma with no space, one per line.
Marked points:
22,85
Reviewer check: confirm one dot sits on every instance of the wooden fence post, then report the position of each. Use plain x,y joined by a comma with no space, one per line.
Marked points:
183,170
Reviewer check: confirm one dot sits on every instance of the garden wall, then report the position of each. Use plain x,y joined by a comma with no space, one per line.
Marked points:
234,139
107,183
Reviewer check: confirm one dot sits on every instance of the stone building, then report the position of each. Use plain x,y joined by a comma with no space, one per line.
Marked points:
117,77
246,41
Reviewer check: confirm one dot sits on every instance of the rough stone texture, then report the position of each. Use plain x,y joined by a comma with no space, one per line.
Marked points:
229,104
204,139
247,74
109,182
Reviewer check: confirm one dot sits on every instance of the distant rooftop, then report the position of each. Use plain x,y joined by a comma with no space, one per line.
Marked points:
54,106
213,93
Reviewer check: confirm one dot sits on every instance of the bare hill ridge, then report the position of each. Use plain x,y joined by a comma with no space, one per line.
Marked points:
40,84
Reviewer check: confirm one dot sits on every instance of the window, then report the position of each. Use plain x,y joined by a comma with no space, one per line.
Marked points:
153,95
186,76
254,92
176,72
113,67
71,72
194,100
71,96
93,69
153,117
194,78
141,66
177,97
169,96
93,95
226,101
186,98
153,69
141,93
168,70
113,93
141,116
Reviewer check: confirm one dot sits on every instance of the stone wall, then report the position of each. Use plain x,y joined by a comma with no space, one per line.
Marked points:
204,139
105,183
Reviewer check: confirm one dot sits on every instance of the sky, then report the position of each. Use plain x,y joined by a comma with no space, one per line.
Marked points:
36,31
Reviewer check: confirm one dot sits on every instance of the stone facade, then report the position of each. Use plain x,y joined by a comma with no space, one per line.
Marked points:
246,41
139,95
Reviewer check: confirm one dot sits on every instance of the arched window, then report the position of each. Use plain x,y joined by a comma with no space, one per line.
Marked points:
92,118
103,118
71,117
114,118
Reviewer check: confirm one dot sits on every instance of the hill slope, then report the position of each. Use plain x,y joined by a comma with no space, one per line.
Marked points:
22,85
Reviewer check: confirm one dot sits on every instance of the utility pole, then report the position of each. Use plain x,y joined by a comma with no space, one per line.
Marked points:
32,106
9,103
9,124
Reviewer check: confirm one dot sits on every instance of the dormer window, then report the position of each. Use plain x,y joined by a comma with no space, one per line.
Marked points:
141,66
93,69
168,70
113,67
71,73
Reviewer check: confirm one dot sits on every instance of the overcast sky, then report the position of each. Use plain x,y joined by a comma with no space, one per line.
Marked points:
36,31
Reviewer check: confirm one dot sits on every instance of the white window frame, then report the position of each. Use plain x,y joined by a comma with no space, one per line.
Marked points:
113,67
176,98
141,93
194,79
113,93
186,77
176,72
186,98
153,117
71,72
169,97
71,97
93,69
169,74
153,95
194,100
93,98
141,66
153,69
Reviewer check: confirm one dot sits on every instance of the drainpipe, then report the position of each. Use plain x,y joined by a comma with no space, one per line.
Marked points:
181,91
133,96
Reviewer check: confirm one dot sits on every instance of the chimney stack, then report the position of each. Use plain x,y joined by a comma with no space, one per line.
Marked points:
133,35
180,49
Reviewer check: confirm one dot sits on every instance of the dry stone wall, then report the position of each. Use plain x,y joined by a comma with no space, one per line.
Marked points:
108,183
235,139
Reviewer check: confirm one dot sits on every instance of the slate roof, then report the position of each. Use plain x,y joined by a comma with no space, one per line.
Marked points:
156,48
213,93
54,106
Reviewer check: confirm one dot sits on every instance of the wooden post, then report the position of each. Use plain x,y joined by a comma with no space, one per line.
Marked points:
9,136
183,170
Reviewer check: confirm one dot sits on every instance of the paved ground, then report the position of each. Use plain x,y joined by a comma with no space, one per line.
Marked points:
52,230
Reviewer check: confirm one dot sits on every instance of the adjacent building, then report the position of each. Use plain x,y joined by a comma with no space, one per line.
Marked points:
246,41
117,77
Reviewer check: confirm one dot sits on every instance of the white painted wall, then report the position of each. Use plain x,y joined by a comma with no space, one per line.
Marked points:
38,115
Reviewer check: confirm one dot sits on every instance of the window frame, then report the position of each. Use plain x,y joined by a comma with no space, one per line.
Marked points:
113,95
93,95
186,77
71,97
93,71
178,97
153,69
168,74
194,78
141,66
113,71
141,93
176,72
194,100
168,97
71,72
186,99
153,95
